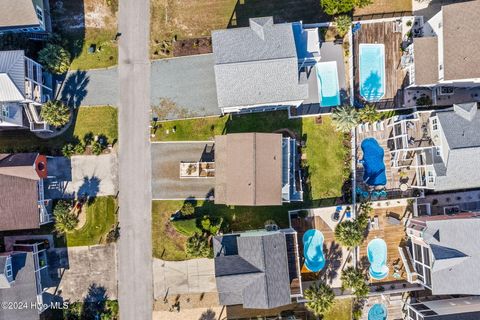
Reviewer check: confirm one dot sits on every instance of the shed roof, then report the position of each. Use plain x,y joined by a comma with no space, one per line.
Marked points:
248,169
460,45
12,75
426,60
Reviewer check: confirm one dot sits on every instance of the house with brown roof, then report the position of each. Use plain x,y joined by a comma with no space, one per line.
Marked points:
447,54
22,205
256,169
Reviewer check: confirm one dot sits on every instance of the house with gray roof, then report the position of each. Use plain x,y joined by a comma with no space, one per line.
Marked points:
442,147
447,54
22,204
257,269
270,66
30,16
445,252
23,279
463,308
22,92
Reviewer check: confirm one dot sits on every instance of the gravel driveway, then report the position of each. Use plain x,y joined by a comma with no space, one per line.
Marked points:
92,175
166,183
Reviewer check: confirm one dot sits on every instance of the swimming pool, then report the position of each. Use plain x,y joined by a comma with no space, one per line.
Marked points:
327,81
373,164
313,250
377,312
377,256
372,71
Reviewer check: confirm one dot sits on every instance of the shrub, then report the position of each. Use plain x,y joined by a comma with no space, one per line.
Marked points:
113,234
333,7
65,219
55,113
79,148
369,114
68,150
88,138
211,225
343,24
187,210
97,148
198,246
54,58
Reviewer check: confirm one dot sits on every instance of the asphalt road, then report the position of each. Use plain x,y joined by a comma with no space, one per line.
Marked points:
135,283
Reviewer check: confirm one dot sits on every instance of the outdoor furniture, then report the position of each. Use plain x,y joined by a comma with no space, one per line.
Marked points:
348,213
336,215
376,222
403,187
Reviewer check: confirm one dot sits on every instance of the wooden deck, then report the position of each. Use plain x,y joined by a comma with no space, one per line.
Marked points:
334,253
395,77
394,236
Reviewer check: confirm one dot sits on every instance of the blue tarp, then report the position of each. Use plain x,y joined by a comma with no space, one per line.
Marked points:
373,164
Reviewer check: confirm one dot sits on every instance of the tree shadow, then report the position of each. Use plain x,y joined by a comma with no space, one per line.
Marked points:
89,188
333,257
74,88
94,302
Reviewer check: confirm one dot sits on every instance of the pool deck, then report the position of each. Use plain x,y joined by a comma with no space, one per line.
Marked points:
396,78
394,236
336,256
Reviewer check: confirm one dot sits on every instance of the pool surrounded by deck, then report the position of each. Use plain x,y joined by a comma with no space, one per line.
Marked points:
377,312
372,71
313,250
377,256
373,163
327,81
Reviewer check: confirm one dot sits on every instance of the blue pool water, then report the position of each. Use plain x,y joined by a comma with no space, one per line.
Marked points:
327,80
377,256
372,71
377,312
313,250
373,164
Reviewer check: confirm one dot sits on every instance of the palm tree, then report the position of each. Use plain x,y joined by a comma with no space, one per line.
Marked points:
54,58
349,233
369,114
345,118
343,23
320,298
65,219
354,279
55,113
198,246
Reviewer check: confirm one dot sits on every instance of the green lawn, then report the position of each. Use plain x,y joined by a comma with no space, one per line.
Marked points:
341,310
101,217
169,238
106,54
99,120
324,146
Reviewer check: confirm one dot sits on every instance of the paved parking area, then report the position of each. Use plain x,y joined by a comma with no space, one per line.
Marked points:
76,269
92,175
166,182
182,277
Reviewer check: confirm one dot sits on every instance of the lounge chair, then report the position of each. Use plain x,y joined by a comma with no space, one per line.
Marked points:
360,128
376,221
367,127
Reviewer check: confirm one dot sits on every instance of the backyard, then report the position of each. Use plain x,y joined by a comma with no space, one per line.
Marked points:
100,219
384,6
88,29
181,20
341,310
324,147
98,120
169,237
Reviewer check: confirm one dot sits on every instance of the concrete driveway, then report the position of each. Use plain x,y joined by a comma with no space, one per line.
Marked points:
78,269
188,81
166,182
91,175
182,277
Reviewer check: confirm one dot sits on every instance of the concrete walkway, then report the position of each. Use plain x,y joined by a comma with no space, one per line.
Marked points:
183,277
79,175
188,81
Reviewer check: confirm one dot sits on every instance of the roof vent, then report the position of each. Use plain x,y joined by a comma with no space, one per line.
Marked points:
258,25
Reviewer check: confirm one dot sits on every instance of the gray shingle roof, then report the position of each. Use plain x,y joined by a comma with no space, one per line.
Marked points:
17,13
426,60
256,275
455,274
12,66
460,170
257,65
23,289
